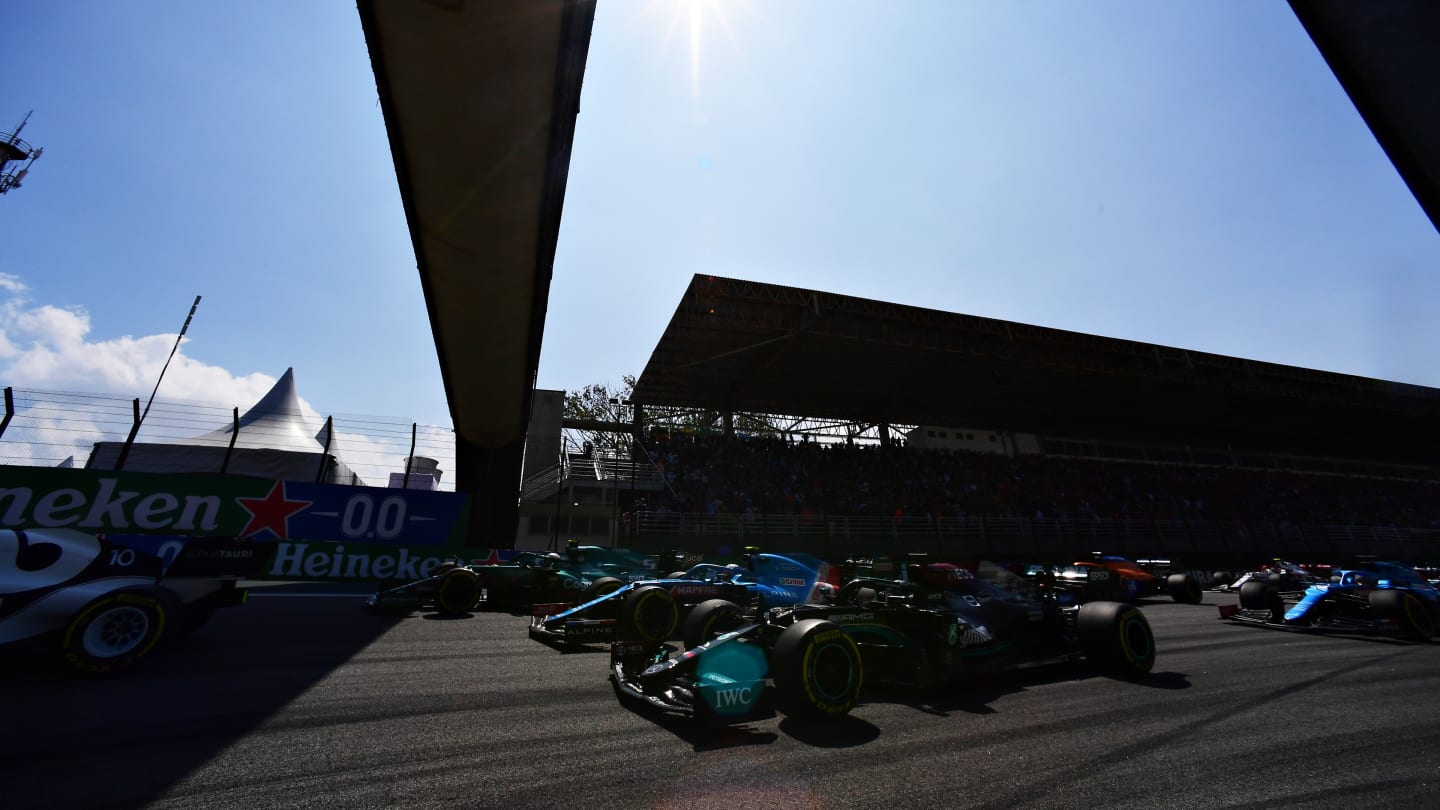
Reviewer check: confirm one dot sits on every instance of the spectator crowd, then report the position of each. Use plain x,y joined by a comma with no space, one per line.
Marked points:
710,473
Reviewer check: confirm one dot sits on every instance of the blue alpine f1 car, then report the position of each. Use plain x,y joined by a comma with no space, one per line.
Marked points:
652,610
1384,598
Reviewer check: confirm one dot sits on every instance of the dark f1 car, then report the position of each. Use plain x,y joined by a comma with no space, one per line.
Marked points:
1115,578
106,605
938,623
1385,598
581,573
1282,574
652,610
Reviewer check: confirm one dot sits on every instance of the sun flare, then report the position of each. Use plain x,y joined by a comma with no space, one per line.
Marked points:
697,17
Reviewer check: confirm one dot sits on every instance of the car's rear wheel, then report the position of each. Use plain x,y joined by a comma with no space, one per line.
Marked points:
1116,637
817,669
117,629
458,592
1405,608
1184,588
602,586
710,619
648,614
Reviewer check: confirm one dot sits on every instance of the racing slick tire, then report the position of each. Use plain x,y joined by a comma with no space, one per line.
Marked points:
648,614
1222,579
117,629
817,669
1415,620
602,586
1262,596
458,592
710,619
1184,588
1116,637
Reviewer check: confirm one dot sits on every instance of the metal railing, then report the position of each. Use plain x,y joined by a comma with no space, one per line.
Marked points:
1010,537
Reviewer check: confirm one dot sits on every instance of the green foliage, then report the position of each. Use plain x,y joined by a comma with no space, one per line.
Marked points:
593,402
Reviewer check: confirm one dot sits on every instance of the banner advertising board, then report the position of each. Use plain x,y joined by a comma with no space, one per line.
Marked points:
315,531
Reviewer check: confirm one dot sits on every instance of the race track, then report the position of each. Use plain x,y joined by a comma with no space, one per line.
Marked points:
310,702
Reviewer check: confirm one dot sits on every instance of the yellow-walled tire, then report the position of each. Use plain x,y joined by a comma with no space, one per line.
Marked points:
648,614
116,630
458,592
1116,637
817,669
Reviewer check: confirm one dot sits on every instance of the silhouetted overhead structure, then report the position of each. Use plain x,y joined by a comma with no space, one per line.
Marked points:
16,157
1386,54
745,346
480,99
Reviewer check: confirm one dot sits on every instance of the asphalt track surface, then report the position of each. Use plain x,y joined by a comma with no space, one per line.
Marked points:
296,701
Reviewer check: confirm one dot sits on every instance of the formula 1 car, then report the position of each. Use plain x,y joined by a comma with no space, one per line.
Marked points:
103,605
1282,574
1385,598
1114,578
583,572
652,610
938,623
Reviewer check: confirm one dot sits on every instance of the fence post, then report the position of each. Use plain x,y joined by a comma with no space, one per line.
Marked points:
325,454
410,460
9,409
234,434
129,440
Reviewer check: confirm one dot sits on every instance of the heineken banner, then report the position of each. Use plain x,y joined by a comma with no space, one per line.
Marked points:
319,531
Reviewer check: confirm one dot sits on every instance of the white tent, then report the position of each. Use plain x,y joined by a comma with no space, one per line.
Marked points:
274,440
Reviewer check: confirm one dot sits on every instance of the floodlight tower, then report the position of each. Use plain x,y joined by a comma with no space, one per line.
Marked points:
15,151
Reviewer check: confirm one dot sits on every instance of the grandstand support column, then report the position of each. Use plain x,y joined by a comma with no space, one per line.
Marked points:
490,475
727,418
884,434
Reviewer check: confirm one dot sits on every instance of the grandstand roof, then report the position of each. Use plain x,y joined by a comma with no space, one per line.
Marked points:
750,346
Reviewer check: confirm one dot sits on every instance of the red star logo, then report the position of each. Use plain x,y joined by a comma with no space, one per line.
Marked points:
271,512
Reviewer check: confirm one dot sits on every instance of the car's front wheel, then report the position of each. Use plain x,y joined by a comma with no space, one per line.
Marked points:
458,592
709,619
817,669
648,614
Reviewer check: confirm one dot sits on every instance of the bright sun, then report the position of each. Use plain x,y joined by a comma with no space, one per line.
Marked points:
696,15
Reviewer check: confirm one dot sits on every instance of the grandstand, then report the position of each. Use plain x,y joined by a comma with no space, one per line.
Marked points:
1071,442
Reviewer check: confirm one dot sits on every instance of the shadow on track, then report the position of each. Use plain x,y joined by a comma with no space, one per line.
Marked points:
974,695
136,734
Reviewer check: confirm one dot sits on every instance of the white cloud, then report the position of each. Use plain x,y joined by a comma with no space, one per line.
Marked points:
47,347
46,354
12,283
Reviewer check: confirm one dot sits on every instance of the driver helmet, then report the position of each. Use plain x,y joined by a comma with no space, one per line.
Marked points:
554,556
824,593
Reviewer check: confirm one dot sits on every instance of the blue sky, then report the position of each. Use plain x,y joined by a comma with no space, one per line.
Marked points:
1183,173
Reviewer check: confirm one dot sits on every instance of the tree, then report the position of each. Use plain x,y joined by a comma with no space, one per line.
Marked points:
593,402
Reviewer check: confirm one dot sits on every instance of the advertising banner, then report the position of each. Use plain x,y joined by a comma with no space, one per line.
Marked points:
310,531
